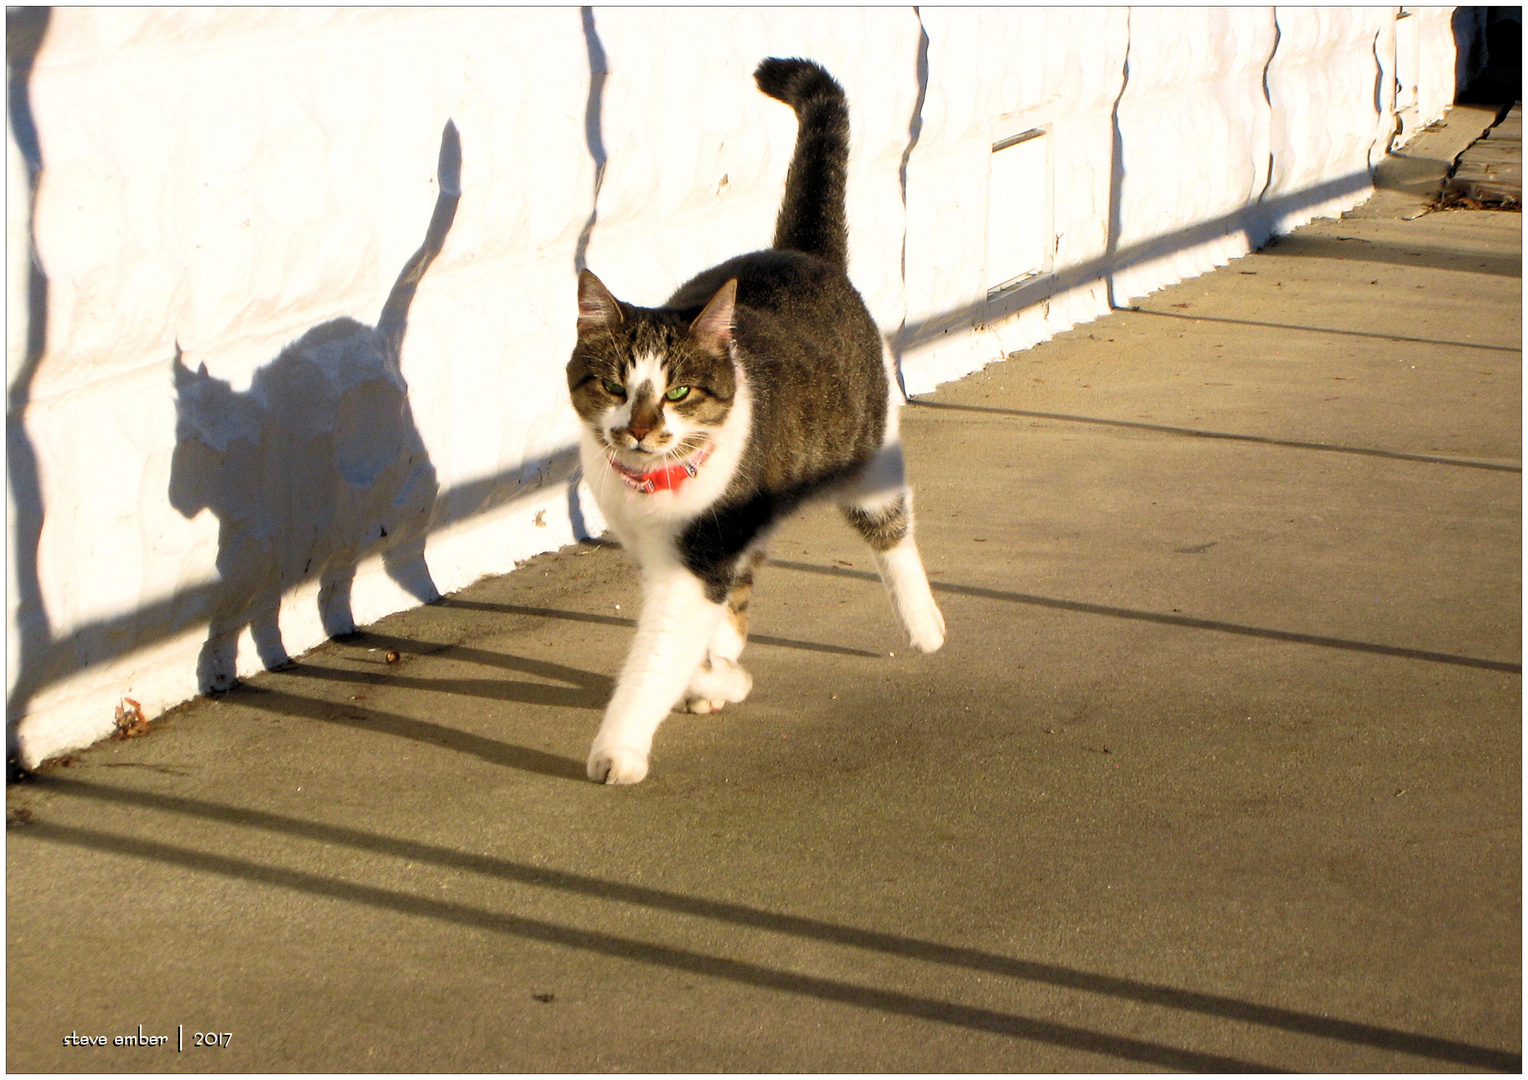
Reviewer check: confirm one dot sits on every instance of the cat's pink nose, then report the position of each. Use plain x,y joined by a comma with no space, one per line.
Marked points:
638,432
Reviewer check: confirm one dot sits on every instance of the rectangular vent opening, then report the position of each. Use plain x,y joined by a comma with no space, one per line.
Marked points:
1018,210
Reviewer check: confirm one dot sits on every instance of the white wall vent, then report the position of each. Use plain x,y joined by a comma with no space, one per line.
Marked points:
1019,234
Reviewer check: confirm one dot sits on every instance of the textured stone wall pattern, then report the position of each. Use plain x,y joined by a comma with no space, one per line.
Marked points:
1325,57
1194,93
1435,81
223,182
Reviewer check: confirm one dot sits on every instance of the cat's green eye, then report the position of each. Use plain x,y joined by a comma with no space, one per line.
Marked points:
677,393
613,388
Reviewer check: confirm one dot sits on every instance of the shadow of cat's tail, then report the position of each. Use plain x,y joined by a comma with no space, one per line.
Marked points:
395,313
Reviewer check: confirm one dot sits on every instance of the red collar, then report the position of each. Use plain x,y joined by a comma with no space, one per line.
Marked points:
666,479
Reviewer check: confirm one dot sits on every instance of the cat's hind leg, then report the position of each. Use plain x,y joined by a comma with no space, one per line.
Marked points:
264,614
880,508
405,564
720,679
265,629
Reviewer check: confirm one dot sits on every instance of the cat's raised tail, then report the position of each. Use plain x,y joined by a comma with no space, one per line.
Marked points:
812,214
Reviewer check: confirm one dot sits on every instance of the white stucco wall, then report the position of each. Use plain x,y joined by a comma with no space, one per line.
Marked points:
231,179
1433,38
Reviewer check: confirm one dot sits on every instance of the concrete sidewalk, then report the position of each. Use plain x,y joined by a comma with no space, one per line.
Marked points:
1220,768
1490,172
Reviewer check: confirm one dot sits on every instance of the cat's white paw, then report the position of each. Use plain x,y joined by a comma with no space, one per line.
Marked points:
925,628
217,668
717,681
617,765
703,706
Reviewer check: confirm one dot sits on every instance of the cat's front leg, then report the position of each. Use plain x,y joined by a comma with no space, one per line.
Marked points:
676,623
217,665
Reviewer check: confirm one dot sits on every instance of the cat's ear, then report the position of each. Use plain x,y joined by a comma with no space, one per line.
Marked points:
183,374
712,328
597,309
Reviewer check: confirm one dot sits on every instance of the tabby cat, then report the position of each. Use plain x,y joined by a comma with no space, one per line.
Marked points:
761,383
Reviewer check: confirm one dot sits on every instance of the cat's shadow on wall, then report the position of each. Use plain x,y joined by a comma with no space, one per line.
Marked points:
314,467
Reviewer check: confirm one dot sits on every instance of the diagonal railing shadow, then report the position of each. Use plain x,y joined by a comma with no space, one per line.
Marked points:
1324,330
544,668
590,692
615,620
1368,250
424,732
631,949
1212,1005
1199,433
474,498
1256,223
1183,621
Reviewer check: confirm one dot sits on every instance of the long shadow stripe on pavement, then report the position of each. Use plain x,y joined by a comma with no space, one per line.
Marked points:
426,732
623,948
800,926
1138,310
1199,433
616,620
1176,620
